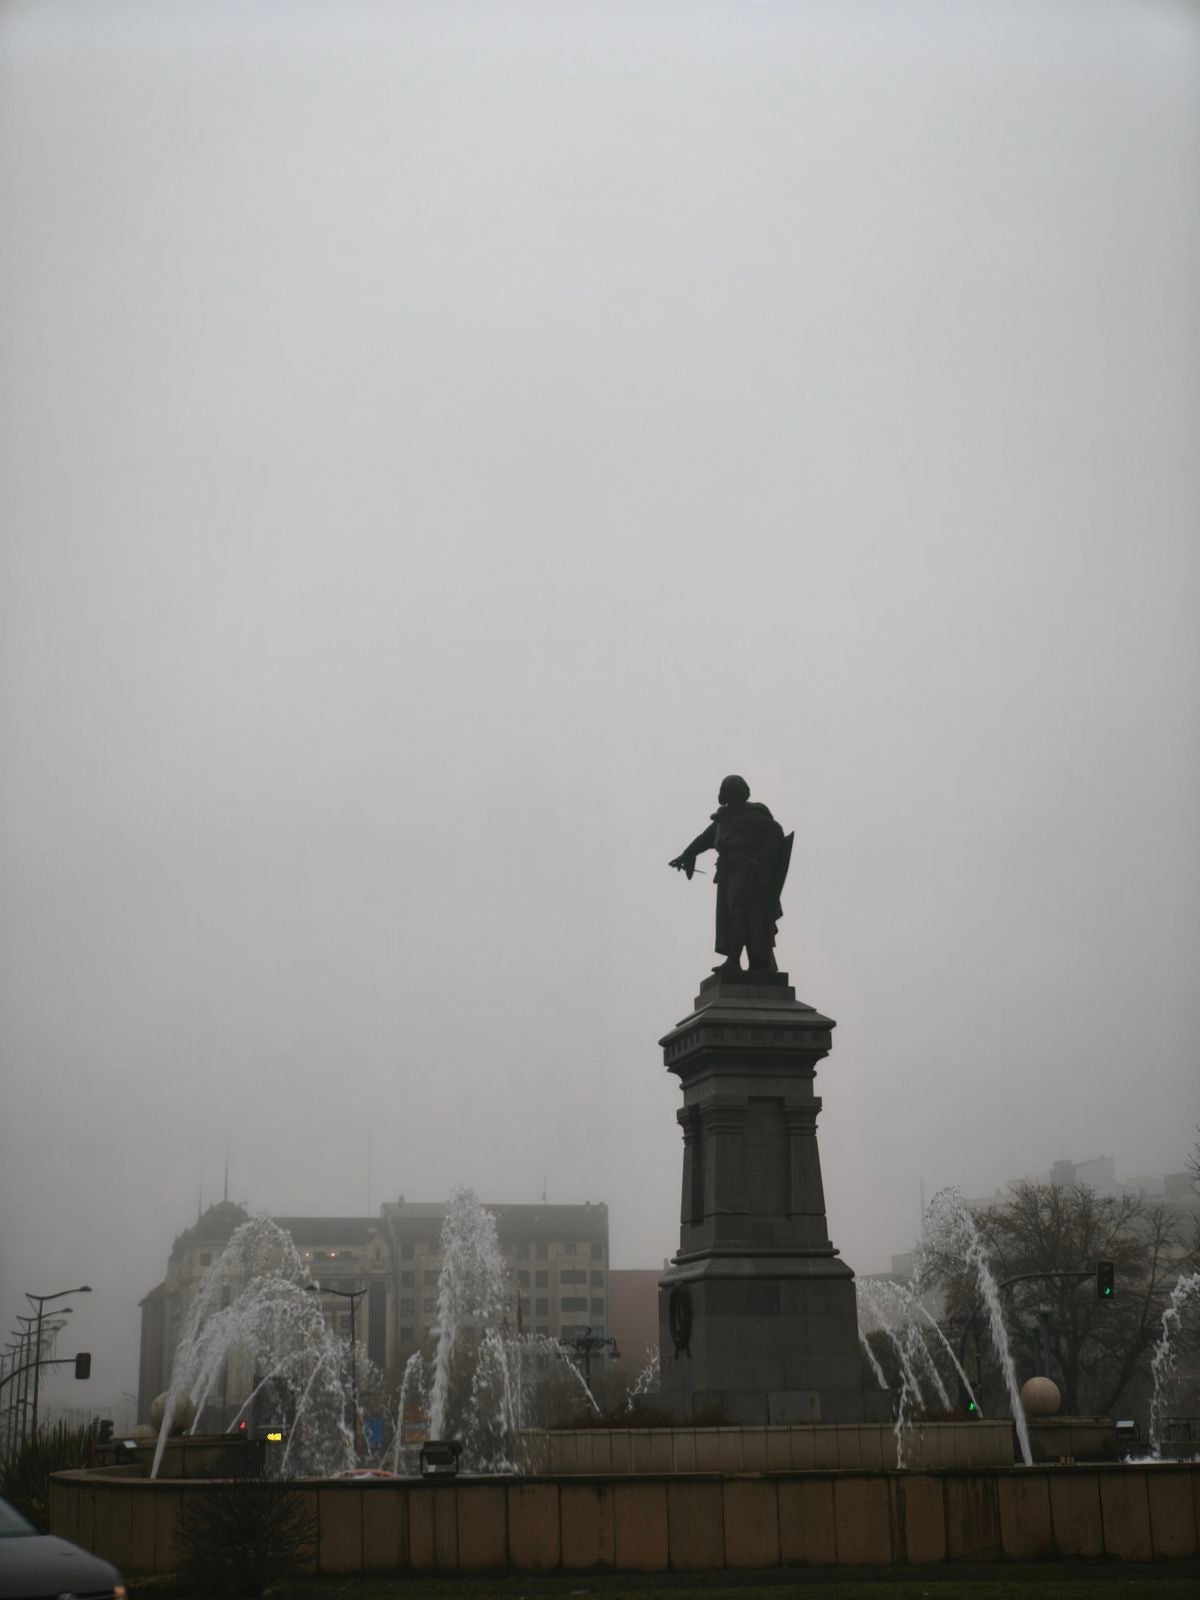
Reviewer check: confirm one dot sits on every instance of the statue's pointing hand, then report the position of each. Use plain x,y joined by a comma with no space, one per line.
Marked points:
684,863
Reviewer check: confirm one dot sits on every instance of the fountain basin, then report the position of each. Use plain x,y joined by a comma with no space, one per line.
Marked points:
1069,1439
655,1522
797,1447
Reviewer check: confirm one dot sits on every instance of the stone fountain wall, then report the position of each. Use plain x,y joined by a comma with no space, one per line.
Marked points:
655,1522
798,1448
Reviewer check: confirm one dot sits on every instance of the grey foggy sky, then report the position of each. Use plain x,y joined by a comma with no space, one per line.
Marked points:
438,443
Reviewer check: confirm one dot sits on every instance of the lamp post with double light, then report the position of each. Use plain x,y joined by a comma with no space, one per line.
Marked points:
40,1300
354,1296
584,1345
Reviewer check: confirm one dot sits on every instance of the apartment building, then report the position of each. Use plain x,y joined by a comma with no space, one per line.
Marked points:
557,1256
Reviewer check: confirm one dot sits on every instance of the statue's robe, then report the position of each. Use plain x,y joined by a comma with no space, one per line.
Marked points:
746,838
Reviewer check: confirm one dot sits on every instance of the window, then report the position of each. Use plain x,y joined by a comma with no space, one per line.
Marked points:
541,1308
429,1277
597,1251
428,1305
344,1322
545,1332
205,1258
523,1251
406,1250
523,1279
541,1251
407,1279
597,1280
407,1308
573,1302
569,1248
541,1279
572,1275
407,1336
598,1308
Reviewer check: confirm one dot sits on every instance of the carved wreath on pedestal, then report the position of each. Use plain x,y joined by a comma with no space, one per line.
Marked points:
679,1318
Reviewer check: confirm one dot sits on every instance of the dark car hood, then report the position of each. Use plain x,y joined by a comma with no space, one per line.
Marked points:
43,1565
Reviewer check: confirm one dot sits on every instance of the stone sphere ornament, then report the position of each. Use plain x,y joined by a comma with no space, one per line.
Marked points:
184,1414
1040,1397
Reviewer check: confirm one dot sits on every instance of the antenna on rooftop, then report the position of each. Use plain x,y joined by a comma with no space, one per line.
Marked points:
543,1188
225,1196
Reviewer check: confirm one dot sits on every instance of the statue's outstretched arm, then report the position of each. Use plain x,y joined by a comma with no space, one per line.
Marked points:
702,842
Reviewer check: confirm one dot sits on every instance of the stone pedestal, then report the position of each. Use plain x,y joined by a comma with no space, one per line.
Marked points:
757,1314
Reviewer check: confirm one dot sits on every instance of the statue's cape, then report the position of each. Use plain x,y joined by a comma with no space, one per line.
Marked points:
753,830
780,862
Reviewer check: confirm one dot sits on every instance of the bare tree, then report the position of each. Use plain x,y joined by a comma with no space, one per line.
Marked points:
1098,1349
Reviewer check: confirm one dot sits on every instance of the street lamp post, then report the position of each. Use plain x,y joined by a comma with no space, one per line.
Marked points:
17,1378
354,1296
39,1300
12,1359
587,1344
25,1334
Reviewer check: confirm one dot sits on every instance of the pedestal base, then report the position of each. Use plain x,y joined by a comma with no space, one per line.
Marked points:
712,1408
758,1321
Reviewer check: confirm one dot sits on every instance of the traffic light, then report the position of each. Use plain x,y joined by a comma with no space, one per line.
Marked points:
83,1364
1104,1280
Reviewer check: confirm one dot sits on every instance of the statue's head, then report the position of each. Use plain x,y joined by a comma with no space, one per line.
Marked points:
733,791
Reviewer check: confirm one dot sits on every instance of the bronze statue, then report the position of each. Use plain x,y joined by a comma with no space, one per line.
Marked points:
752,863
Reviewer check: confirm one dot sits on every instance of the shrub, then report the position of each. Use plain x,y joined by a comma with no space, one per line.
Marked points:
25,1474
243,1534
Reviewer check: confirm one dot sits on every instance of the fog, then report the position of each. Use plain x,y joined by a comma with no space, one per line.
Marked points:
439,442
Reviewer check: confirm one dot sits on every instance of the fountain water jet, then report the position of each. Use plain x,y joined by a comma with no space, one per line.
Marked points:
950,1227
1163,1361
252,1307
414,1398
873,1359
646,1381
472,1297
484,1378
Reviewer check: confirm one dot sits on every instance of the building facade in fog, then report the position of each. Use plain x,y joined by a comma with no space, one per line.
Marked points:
1175,1191
557,1258
633,1319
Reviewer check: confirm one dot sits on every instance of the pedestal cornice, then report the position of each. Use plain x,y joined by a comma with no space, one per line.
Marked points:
755,1021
